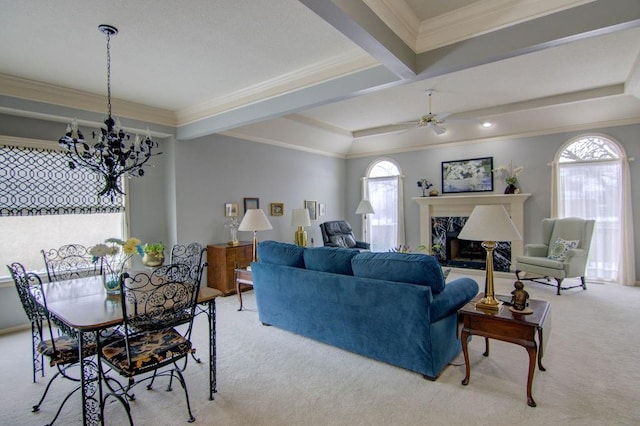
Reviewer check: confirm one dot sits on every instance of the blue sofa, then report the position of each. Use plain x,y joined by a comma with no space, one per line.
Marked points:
392,307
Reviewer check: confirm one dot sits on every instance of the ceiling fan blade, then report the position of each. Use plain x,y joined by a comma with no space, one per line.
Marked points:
438,129
383,130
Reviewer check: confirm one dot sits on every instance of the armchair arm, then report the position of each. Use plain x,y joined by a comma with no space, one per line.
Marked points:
575,252
536,250
454,296
363,245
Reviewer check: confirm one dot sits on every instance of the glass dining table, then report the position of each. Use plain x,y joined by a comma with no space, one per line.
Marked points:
83,306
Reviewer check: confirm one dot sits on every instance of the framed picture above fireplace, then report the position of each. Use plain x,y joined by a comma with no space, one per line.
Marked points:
472,175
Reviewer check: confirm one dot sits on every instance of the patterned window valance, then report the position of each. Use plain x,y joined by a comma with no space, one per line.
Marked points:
37,181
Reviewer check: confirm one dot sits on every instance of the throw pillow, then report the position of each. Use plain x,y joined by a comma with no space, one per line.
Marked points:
558,250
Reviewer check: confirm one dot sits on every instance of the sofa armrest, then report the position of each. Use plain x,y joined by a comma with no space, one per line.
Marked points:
454,296
363,245
536,250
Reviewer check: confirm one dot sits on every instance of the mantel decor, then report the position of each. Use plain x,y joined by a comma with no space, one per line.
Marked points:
111,155
473,175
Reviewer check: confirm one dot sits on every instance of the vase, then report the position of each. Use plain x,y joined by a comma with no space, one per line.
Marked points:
111,282
511,189
153,259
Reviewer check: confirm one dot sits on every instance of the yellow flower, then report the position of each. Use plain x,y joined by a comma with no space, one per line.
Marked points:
131,246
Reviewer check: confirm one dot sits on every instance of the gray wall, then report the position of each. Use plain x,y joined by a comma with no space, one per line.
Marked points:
181,199
533,153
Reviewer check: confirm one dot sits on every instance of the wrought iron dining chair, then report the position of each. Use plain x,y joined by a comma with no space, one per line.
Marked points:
70,261
154,304
63,350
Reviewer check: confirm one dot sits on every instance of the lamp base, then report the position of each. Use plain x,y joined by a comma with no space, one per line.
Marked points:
488,303
301,237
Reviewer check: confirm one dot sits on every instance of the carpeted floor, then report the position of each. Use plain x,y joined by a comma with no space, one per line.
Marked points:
267,376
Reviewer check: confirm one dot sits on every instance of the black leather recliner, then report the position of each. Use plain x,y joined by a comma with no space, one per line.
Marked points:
338,233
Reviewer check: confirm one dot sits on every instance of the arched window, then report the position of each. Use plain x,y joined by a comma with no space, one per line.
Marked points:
382,186
591,184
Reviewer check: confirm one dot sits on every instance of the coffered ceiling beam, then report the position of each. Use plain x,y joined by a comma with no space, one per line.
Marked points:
588,20
358,22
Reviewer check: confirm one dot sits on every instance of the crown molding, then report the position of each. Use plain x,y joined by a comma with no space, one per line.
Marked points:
478,18
56,95
337,66
483,17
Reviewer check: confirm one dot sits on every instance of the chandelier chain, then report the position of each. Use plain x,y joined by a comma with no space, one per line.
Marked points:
109,72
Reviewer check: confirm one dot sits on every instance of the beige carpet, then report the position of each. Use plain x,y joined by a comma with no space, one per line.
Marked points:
267,376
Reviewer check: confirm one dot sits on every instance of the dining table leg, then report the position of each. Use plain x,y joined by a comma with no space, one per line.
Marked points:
89,381
212,349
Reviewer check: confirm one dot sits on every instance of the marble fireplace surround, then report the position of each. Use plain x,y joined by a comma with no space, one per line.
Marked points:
462,205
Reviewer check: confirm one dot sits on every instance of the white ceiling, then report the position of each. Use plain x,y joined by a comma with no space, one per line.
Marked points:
312,74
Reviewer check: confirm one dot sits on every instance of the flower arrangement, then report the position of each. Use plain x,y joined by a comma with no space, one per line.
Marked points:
510,173
233,225
424,185
113,255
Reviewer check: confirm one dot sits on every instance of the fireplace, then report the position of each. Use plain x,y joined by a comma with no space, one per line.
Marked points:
443,217
454,252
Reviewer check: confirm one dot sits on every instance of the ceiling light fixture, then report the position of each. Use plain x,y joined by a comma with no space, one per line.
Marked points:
487,124
111,155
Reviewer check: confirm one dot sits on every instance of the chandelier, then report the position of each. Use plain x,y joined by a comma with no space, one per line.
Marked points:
111,154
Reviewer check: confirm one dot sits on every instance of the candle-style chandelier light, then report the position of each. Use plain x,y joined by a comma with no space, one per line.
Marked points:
111,154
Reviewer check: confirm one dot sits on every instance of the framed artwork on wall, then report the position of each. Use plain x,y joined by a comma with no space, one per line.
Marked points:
277,209
251,203
231,209
312,206
472,175
321,209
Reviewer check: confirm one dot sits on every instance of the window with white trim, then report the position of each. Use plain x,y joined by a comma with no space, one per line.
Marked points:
44,204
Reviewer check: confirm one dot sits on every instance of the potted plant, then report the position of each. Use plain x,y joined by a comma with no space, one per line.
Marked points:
153,254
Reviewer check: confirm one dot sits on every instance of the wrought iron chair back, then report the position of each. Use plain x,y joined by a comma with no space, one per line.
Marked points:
35,314
191,254
158,300
70,261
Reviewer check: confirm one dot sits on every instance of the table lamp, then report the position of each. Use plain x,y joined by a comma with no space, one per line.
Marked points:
300,218
489,224
365,208
255,220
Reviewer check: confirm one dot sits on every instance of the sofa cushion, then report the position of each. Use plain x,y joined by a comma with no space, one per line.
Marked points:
278,253
329,259
418,269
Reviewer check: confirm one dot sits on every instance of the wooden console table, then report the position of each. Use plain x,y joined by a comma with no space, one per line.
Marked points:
509,327
223,260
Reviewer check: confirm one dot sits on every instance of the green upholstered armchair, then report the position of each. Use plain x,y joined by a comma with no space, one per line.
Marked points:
562,254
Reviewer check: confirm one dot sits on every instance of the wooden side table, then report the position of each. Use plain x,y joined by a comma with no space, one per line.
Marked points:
243,276
509,327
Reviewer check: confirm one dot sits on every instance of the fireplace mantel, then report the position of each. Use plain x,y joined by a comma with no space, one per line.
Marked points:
462,205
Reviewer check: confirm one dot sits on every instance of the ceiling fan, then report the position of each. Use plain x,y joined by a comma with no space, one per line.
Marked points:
433,121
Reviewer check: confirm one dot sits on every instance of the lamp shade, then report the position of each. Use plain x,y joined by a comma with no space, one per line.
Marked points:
255,220
300,217
365,208
489,223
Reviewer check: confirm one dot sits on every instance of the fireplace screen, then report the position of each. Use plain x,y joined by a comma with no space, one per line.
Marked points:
457,253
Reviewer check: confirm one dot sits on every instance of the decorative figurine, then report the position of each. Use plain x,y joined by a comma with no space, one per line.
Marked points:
520,296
